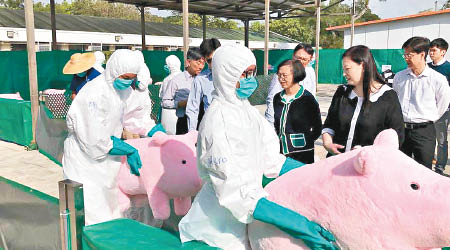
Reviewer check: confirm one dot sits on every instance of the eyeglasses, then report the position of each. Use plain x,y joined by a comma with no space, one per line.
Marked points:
208,60
409,55
283,76
303,59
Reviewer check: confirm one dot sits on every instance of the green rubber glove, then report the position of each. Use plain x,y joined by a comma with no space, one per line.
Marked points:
156,128
294,224
122,148
288,165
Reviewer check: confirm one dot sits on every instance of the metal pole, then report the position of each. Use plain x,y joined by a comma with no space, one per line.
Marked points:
204,26
32,70
266,37
353,24
246,30
185,28
71,210
144,47
317,40
53,21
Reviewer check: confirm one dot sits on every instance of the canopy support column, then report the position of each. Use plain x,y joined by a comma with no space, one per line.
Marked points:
204,26
32,70
246,31
185,28
266,37
53,21
144,46
317,40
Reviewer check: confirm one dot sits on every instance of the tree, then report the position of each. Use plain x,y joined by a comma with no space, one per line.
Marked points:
12,4
196,20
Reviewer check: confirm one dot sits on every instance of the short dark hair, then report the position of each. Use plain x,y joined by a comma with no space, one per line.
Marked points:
194,54
440,43
208,46
297,69
418,44
308,48
361,54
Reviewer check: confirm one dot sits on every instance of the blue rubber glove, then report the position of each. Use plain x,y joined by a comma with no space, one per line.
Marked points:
156,128
288,165
122,148
294,224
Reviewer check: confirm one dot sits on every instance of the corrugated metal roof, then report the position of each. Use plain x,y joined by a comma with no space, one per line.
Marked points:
16,19
238,9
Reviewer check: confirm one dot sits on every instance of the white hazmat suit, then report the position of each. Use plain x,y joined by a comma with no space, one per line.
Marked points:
137,118
95,115
168,116
236,146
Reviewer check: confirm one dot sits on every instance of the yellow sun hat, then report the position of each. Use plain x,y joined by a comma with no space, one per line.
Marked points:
79,63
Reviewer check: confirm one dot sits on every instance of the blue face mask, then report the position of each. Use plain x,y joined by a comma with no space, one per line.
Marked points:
166,69
248,86
121,84
82,74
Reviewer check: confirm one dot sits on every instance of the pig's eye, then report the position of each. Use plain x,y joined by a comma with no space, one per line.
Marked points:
415,186
195,144
183,161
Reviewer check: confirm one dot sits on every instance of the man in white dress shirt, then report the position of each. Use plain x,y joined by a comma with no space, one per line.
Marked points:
303,53
424,96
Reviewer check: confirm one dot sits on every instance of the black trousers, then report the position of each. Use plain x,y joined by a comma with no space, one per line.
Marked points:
182,125
305,157
420,144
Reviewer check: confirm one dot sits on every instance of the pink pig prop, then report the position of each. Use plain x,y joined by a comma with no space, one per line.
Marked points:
169,171
373,198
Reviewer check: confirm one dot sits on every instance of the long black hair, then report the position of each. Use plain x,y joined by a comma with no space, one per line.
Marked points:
361,54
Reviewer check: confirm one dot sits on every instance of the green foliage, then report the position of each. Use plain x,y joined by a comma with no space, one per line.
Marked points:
12,4
197,20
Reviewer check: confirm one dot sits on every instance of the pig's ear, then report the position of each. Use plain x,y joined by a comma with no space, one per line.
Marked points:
159,138
192,135
387,138
363,163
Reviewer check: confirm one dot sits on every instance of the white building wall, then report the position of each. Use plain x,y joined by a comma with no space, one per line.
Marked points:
392,35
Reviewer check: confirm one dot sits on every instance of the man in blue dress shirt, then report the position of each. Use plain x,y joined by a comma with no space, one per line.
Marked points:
202,86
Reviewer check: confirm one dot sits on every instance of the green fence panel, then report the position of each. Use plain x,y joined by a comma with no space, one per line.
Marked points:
14,69
330,66
276,56
15,122
156,60
391,57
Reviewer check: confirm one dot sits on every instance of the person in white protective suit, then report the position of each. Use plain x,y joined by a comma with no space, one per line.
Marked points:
235,148
92,149
168,116
137,121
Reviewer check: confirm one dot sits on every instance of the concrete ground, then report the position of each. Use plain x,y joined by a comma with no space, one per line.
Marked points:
34,170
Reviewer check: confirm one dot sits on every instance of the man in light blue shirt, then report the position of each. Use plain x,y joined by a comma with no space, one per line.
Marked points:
202,86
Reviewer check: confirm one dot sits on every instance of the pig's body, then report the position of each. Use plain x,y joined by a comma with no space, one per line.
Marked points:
169,171
366,198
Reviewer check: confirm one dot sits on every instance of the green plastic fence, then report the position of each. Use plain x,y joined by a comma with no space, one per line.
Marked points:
15,121
14,67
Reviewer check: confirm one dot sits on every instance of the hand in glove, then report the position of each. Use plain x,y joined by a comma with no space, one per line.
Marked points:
156,128
288,165
294,224
122,148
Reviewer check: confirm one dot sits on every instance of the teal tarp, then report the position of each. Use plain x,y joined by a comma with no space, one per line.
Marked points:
130,234
15,121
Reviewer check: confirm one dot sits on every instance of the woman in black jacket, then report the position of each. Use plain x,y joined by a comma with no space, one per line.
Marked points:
362,108
297,114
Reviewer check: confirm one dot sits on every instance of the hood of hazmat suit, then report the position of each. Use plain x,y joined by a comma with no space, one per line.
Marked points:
174,65
95,115
99,60
236,146
137,118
